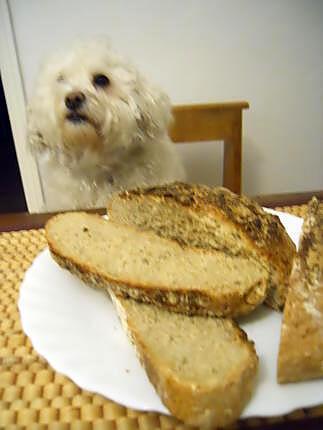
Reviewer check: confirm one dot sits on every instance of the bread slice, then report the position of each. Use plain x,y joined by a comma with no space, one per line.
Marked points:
301,344
143,266
203,368
213,219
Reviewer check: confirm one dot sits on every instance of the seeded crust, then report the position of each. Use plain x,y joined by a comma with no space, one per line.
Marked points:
190,302
301,344
206,403
259,234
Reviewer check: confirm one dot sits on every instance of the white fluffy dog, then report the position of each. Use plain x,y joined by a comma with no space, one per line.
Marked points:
98,126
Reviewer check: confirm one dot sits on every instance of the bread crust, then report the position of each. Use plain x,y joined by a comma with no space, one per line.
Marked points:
206,406
301,345
263,231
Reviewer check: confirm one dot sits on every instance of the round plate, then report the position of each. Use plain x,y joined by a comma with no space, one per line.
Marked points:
78,332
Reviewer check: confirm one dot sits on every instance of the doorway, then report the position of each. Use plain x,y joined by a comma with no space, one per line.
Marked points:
12,197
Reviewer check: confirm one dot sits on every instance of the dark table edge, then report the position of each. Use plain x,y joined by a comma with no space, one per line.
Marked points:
27,221
287,199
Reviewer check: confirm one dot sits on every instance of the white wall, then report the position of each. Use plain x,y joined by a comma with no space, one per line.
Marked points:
269,53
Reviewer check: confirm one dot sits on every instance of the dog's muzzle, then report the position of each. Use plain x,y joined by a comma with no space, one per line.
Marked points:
75,101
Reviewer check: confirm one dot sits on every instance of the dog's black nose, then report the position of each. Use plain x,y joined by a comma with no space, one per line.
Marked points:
74,100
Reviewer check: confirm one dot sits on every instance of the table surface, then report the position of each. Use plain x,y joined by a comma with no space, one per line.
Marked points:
33,395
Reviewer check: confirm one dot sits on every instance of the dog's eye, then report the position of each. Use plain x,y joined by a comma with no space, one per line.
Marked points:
100,81
60,78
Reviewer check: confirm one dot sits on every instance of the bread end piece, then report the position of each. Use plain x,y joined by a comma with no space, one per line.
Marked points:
301,345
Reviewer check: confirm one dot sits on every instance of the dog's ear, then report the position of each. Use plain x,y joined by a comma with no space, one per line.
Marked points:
154,111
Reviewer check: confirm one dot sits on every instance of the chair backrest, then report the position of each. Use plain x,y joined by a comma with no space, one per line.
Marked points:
216,121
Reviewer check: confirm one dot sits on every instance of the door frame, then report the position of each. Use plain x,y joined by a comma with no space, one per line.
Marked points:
14,90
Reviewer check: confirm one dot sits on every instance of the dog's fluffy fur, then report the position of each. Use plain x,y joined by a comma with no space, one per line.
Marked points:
111,135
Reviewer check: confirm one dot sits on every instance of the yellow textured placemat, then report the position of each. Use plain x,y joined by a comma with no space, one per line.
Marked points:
33,395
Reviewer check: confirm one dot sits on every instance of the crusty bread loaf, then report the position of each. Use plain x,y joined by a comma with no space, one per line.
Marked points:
202,368
143,266
212,219
301,344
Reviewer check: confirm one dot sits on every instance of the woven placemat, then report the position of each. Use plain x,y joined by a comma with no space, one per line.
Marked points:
33,395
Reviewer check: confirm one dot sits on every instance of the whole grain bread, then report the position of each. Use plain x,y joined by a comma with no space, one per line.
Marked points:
301,343
143,266
203,368
213,219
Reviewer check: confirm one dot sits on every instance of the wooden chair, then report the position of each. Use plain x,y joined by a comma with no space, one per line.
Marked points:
218,121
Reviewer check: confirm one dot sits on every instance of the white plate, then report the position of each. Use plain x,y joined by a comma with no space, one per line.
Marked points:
77,330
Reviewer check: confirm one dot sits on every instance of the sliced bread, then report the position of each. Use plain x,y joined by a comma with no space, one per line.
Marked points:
301,344
143,266
213,219
203,368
